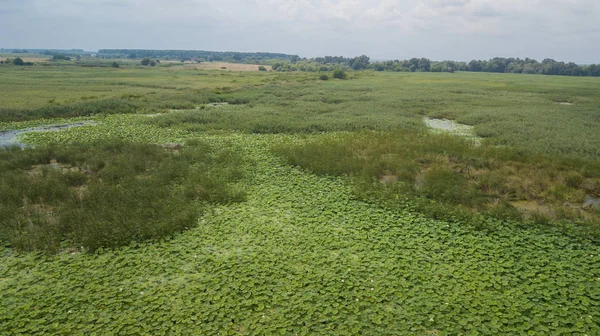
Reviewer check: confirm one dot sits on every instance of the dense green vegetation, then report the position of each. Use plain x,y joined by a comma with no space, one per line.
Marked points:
212,202
108,193
302,257
418,168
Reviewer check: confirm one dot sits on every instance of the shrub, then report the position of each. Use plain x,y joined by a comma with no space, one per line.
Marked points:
19,61
145,61
262,68
340,74
324,77
61,57
574,179
441,183
115,64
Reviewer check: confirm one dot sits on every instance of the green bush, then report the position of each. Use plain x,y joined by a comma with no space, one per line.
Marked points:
19,61
262,68
441,183
573,179
59,57
324,77
340,74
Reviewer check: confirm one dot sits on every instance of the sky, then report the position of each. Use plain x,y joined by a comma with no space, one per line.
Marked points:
565,30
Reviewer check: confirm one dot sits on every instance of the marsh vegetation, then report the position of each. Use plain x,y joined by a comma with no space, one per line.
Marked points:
229,202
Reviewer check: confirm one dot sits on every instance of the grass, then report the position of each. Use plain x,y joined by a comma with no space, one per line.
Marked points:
301,206
55,91
527,120
510,110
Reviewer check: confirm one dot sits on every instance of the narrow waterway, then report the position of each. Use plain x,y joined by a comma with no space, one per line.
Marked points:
10,137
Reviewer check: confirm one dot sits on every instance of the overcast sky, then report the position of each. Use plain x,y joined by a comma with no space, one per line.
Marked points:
567,30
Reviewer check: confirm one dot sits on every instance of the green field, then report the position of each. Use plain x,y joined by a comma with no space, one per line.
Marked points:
245,203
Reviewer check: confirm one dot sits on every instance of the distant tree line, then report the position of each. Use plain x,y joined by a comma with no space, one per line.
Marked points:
495,65
208,56
64,53
327,63
285,62
531,66
45,51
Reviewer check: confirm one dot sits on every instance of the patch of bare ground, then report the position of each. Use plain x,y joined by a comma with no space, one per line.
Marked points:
533,208
388,178
39,169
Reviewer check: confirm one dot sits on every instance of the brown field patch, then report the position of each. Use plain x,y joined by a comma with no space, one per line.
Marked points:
35,59
221,65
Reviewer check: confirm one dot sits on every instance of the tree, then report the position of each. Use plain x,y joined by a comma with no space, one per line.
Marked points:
115,65
360,62
594,70
152,63
529,68
514,67
475,66
145,61
437,67
424,65
18,61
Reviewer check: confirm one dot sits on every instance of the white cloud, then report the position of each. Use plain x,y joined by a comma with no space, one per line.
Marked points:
447,16
430,28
